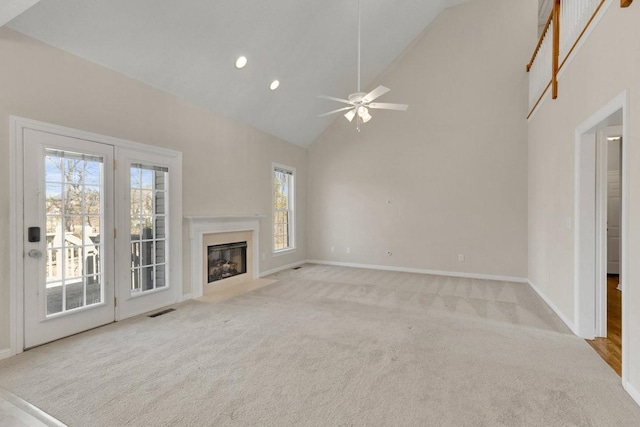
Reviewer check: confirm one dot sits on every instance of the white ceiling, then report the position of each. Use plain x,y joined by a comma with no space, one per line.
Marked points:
188,48
9,9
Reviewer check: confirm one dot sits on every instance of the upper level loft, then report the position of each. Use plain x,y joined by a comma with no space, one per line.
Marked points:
562,24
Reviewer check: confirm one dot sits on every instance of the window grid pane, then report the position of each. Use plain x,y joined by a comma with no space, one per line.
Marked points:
282,209
74,220
148,227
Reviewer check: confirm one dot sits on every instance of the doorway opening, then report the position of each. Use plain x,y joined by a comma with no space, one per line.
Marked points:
601,233
608,340
609,346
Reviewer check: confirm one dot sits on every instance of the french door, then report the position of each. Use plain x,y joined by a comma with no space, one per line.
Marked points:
100,242
69,236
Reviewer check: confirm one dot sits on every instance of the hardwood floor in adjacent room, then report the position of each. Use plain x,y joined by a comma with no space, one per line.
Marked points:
610,348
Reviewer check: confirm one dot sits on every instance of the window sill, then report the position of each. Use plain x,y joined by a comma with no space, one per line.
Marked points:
287,251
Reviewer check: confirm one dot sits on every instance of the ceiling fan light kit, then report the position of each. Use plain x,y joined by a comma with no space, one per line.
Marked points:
241,62
361,102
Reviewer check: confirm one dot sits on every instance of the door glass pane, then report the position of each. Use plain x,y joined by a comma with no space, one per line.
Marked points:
146,278
149,216
54,298
146,202
72,198
74,210
91,199
147,227
135,280
159,180
160,282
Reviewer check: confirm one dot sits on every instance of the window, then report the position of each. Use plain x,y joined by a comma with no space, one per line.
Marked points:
149,220
283,208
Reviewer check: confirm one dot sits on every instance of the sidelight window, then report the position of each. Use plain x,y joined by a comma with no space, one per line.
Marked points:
283,208
149,223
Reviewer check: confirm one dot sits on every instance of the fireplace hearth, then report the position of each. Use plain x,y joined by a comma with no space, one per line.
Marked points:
226,260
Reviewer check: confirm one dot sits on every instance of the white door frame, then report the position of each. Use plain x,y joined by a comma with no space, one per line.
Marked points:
16,221
589,256
602,193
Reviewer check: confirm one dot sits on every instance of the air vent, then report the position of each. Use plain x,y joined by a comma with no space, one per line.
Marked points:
160,313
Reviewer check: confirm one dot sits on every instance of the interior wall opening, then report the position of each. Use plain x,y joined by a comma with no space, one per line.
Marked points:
600,234
608,335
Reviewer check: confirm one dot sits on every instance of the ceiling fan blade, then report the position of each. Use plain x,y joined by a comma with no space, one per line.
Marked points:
331,98
379,91
335,111
387,106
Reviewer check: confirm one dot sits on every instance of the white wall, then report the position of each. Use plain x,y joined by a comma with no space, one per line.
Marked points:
607,64
454,165
227,165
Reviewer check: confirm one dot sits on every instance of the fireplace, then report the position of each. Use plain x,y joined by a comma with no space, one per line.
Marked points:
220,230
226,260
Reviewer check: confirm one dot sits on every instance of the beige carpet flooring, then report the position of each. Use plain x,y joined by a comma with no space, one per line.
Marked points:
331,346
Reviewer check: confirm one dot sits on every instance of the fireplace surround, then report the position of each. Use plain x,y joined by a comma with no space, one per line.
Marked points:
205,231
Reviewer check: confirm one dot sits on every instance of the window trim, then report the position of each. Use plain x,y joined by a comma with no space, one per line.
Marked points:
292,208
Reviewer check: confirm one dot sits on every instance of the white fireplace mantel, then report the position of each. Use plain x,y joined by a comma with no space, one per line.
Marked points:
202,225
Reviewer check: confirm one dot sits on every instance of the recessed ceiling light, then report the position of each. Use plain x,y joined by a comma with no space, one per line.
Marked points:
274,85
241,62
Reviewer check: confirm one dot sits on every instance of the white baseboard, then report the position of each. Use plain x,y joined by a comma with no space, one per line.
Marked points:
284,267
5,353
633,392
186,297
553,307
421,271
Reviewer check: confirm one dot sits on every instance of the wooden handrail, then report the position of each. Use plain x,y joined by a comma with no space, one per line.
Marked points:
539,100
540,40
556,49
625,3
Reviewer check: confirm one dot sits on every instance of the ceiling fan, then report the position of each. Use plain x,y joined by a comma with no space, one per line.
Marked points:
360,102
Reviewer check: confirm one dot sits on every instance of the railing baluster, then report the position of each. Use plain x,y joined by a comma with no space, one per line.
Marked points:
565,27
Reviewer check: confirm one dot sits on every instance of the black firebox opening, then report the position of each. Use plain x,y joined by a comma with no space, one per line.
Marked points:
224,261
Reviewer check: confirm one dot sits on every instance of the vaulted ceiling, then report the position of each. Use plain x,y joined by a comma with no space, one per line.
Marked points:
188,48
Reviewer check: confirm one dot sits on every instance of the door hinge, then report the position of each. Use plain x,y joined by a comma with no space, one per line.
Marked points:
114,164
115,301
115,233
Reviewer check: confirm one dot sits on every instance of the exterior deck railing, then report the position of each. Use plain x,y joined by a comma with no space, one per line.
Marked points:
70,259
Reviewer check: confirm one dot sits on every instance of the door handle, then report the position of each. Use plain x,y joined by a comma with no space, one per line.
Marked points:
34,253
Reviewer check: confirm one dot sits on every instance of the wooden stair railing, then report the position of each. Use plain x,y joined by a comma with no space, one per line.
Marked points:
555,13
556,50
